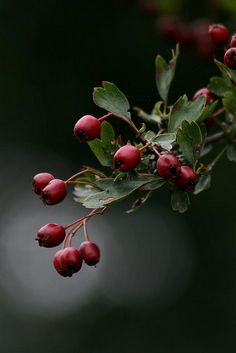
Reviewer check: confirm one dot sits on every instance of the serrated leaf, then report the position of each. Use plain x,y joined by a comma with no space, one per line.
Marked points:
207,111
185,110
165,73
231,153
180,201
219,85
139,202
110,98
154,184
189,138
203,183
110,191
165,141
229,101
152,118
105,147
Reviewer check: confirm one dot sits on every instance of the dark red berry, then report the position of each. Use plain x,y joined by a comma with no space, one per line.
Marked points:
67,261
54,192
230,58
51,235
187,178
168,166
40,181
219,34
233,41
127,158
90,253
87,128
166,25
204,92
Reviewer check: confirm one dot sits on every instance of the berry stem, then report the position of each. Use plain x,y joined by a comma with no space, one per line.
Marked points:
218,112
215,137
145,146
87,170
85,230
121,118
156,151
94,212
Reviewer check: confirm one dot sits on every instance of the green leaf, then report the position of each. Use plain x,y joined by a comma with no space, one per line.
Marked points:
157,183
219,85
185,110
231,153
226,71
110,191
203,183
165,73
207,111
152,118
139,202
105,147
165,141
110,98
180,201
189,138
229,101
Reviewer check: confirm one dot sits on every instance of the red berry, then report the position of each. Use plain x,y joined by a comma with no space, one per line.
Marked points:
40,181
127,158
90,253
67,261
54,192
51,235
233,41
219,34
166,25
168,166
87,128
187,178
204,92
230,58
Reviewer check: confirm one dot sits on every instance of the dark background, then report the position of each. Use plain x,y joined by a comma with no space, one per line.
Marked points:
166,282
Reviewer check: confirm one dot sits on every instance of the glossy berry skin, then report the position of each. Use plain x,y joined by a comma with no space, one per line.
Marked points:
219,34
230,58
67,261
233,41
54,192
187,178
204,92
40,181
168,166
51,235
90,253
127,158
87,128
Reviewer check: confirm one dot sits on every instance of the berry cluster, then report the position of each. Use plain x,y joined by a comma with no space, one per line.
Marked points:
171,154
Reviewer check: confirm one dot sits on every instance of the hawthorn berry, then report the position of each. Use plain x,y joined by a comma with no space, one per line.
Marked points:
230,58
168,166
51,235
204,92
67,261
87,128
90,253
40,181
219,34
127,158
233,41
187,178
54,192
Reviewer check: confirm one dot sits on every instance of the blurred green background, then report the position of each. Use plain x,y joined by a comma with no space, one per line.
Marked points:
166,282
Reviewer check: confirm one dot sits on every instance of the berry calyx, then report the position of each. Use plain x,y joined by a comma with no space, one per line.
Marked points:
127,158
168,166
54,192
230,58
67,261
233,41
187,178
87,128
90,253
51,235
40,181
219,34
204,92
